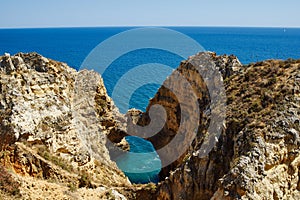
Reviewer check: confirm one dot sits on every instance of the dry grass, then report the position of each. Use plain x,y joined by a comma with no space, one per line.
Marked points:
58,161
7,184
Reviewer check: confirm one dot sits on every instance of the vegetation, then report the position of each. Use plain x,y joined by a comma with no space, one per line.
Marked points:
43,151
263,88
85,180
109,195
72,187
151,187
7,183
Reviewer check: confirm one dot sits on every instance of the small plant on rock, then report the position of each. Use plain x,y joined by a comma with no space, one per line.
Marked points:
85,180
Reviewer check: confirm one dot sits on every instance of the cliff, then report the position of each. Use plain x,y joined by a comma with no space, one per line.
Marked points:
59,129
257,154
54,123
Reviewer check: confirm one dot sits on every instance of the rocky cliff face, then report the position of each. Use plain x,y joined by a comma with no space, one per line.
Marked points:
263,125
54,122
58,126
257,154
179,109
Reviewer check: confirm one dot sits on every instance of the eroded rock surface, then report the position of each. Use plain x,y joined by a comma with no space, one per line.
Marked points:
181,107
58,126
55,122
257,154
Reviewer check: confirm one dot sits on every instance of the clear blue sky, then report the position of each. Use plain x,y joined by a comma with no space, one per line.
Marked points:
74,13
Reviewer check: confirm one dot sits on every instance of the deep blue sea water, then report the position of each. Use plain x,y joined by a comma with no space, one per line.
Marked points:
72,45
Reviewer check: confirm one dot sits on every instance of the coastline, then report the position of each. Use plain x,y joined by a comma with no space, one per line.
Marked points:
261,126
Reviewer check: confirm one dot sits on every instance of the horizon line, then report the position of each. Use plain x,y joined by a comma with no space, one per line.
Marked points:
129,26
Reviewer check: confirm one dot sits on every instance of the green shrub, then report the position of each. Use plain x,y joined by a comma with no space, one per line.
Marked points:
72,187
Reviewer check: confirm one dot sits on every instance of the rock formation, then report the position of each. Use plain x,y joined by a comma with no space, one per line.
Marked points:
257,155
174,105
54,123
59,130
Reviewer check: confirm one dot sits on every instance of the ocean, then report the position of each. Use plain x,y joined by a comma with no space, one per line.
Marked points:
72,45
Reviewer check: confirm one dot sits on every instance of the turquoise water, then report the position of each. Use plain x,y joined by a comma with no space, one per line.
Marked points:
142,164
72,45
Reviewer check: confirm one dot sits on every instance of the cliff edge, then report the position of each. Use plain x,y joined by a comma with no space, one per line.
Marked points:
58,128
54,122
257,154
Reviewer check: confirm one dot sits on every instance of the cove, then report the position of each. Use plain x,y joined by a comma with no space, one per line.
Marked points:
142,163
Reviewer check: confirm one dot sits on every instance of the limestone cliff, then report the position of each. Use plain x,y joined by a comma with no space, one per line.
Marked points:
53,126
192,72
58,126
257,154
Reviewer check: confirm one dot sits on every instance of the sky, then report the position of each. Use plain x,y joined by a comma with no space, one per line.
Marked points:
91,13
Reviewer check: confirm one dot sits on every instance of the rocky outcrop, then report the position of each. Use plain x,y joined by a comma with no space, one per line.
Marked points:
54,123
263,119
257,154
175,96
59,131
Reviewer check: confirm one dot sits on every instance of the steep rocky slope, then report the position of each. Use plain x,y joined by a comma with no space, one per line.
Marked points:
257,155
180,107
58,126
53,126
